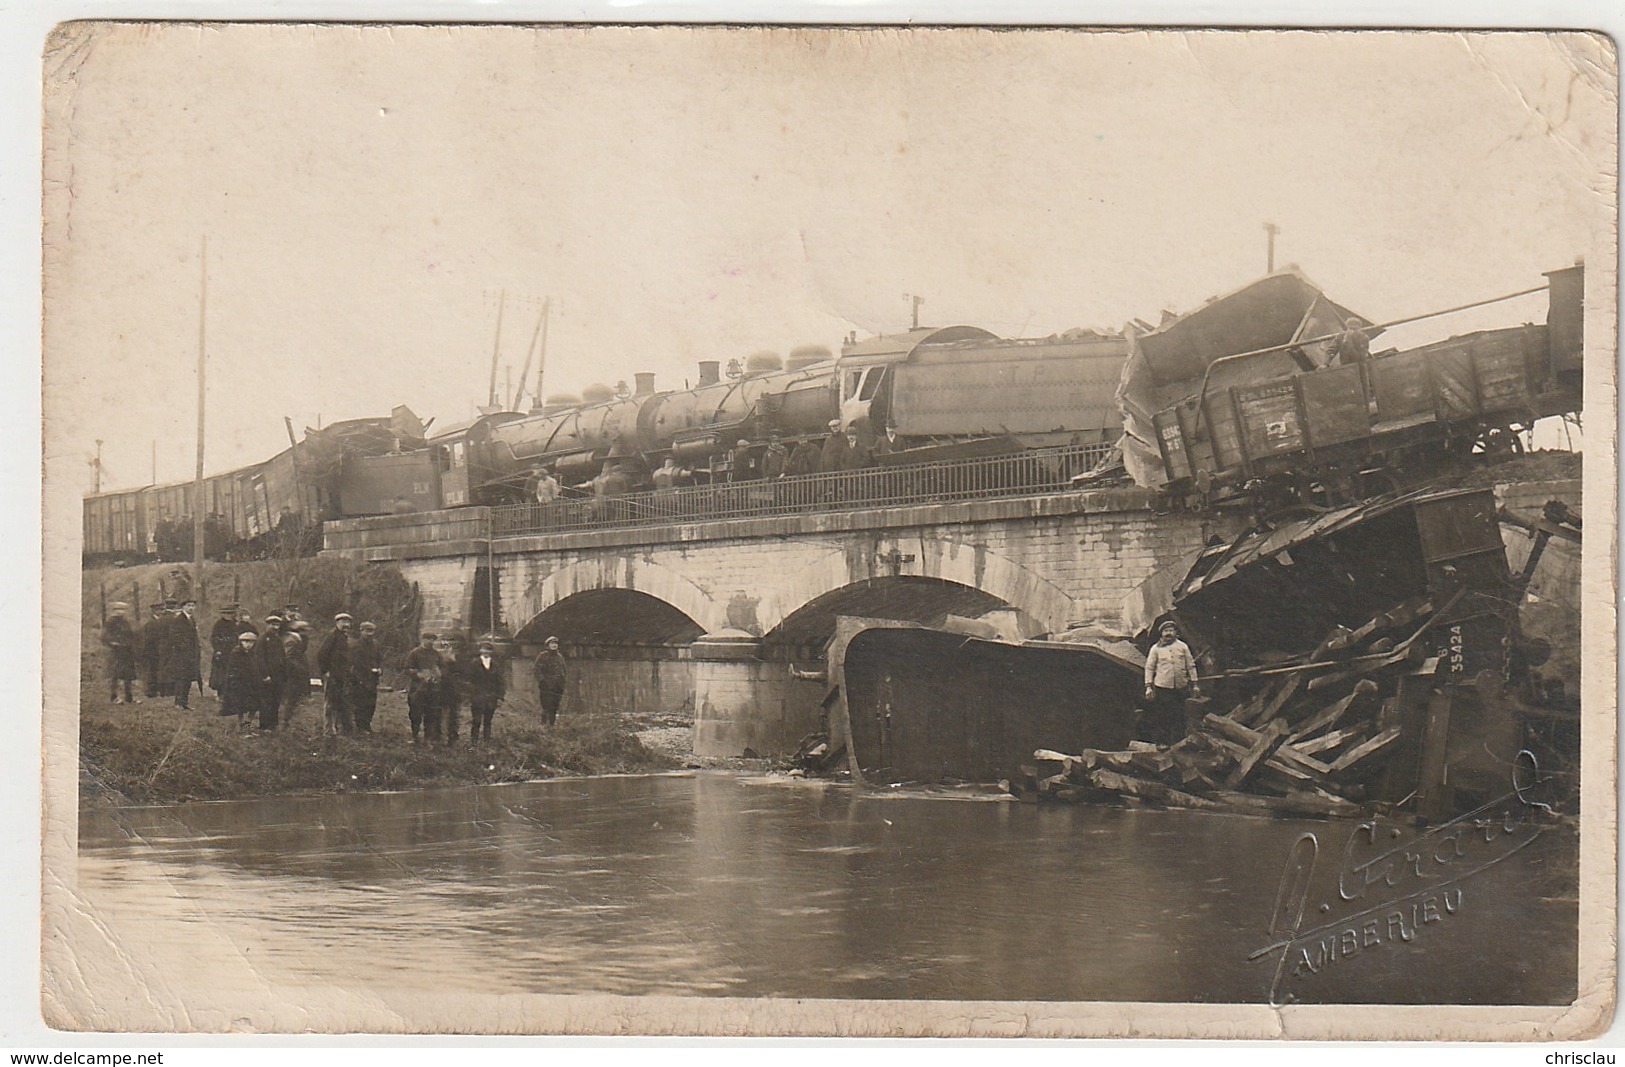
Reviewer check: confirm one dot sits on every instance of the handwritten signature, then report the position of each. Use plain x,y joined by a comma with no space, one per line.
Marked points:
1387,891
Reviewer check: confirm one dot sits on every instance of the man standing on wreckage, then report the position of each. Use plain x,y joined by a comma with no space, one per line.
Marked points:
1170,680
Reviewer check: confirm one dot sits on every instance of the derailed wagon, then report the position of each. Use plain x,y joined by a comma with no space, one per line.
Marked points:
1273,386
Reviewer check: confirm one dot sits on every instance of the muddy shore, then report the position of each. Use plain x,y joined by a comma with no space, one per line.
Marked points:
155,753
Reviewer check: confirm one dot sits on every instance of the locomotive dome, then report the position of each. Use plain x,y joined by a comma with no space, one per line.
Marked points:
765,362
597,393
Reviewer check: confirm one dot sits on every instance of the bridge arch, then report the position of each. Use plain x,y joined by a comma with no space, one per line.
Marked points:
906,598
1042,606
602,575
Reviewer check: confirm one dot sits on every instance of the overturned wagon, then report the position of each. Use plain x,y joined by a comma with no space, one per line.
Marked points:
1274,382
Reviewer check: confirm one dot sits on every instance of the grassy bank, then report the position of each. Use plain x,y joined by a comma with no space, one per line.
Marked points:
154,753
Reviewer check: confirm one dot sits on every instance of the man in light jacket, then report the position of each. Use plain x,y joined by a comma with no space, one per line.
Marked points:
1170,680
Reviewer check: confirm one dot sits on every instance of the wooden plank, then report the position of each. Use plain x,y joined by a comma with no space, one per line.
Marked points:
1329,715
1269,738
1432,795
1360,752
1246,738
1325,742
1149,790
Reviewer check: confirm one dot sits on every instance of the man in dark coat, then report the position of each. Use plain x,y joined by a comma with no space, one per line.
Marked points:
152,643
776,459
242,685
120,641
178,655
273,658
486,679
367,669
833,456
333,663
550,679
453,651
222,639
423,669
804,460
296,685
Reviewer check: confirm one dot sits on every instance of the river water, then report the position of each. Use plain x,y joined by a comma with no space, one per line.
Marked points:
723,885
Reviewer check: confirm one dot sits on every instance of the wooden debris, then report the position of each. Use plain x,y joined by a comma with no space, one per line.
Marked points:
1308,738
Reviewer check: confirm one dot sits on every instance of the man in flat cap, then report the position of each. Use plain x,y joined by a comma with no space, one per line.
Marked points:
296,685
273,658
423,668
550,679
487,682
242,685
119,638
366,670
1170,678
333,663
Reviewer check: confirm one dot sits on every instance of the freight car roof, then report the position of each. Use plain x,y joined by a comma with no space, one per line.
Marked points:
901,345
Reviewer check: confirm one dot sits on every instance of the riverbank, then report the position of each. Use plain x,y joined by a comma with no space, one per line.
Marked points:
156,753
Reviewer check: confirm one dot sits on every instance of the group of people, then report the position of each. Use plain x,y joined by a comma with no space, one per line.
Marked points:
266,674
165,651
263,674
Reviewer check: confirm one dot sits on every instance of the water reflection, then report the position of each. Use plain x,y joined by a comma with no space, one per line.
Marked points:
722,886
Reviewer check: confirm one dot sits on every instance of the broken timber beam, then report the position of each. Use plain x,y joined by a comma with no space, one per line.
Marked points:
1269,739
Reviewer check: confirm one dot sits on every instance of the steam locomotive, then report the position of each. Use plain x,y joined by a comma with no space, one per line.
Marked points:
935,393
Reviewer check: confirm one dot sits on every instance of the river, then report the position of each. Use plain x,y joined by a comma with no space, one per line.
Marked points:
716,884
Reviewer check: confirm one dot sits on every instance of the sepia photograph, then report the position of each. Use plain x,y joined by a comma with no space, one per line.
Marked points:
832,531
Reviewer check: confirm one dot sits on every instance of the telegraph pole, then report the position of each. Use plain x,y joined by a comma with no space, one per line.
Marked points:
496,349
197,484
915,302
1271,230
96,464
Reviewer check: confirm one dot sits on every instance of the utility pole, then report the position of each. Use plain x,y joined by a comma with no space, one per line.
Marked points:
1271,230
197,484
96,464
496,349
915,302
530,354
155,461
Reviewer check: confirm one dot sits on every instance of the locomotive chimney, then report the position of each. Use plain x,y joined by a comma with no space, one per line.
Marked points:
645,383
710,372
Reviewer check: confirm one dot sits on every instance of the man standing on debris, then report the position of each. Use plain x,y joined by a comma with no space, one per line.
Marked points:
550,680
1170,679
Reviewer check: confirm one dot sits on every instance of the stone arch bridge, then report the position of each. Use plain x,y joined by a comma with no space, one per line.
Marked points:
710,614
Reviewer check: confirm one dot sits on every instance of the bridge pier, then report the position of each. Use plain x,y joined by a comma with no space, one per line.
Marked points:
745,702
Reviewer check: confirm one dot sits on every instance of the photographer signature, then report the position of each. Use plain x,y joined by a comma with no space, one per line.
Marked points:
1388,891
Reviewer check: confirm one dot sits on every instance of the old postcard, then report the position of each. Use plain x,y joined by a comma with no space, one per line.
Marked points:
965,531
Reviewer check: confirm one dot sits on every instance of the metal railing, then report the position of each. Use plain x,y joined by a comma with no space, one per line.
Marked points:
1018,474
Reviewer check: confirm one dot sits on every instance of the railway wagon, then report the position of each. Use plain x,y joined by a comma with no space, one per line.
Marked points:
1471,391
240,507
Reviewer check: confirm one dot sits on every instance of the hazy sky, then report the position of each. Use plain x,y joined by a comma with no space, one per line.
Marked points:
684,194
